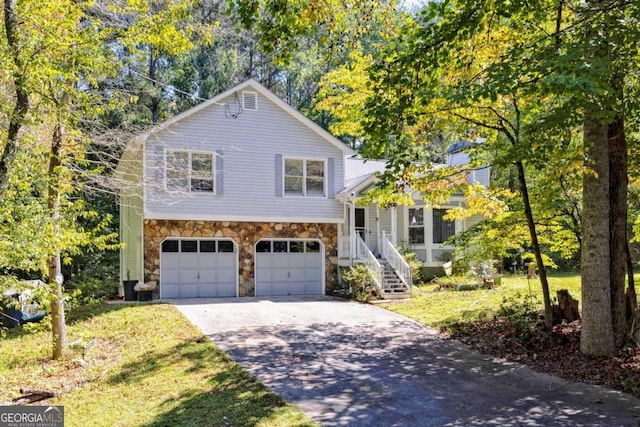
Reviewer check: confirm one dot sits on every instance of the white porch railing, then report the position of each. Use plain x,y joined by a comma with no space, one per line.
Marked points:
365,256
397,261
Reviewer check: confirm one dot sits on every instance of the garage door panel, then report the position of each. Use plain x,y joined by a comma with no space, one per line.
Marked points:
171,290
171,260
313,260
280,275
225,260
171,276
207,259
188,290
226,290
226,275
207,290
208,276
313,275
280,260
188,260
280,288
188,276
313,288
298,275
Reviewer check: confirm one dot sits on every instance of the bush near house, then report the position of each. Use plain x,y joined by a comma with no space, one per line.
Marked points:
359,280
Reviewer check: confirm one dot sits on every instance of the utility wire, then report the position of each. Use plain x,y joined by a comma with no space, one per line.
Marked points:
168,86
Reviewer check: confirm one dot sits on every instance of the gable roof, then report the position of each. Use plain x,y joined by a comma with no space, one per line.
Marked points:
216,100
359,175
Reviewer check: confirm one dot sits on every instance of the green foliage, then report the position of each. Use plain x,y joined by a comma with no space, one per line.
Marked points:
358,277
414,262
520,312
453,282
95,283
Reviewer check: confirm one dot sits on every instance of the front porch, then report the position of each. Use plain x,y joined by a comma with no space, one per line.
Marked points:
392,274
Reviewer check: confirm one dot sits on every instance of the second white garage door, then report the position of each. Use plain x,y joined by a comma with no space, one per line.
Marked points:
289,267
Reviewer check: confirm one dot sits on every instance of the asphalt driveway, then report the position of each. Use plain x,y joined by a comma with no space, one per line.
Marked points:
349,364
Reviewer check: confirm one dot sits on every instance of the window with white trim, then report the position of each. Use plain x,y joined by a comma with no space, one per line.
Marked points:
304,177
416,225
190,171
442,228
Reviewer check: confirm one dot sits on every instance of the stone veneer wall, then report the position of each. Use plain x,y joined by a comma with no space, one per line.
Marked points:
246,235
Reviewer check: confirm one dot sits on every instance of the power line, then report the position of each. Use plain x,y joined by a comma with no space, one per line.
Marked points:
168,86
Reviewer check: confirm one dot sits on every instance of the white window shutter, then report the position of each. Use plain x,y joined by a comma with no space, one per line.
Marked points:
279,176
219,172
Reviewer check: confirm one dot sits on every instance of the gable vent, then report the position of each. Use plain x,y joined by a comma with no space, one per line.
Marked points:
250,101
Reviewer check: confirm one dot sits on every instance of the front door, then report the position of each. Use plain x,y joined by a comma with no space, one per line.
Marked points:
361,227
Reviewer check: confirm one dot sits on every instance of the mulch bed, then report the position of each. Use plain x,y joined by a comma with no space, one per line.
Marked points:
556,352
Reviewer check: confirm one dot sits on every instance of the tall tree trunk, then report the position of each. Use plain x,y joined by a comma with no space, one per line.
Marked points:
542,271
631,285
155,98
58,326
21,106
618,183
596,337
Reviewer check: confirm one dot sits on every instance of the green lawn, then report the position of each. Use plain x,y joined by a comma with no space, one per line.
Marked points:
442,308
148,367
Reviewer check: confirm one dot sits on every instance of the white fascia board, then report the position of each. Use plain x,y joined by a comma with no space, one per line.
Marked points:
236,218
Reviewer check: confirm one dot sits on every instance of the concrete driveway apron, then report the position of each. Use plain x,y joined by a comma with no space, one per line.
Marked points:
349,364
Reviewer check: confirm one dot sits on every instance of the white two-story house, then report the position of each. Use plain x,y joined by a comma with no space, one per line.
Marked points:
244,196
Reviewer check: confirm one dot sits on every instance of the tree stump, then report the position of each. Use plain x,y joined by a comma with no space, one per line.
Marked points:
531,270
567,308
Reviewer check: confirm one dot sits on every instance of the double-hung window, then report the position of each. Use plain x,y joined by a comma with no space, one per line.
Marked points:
442,228
190,171
304,177
416,225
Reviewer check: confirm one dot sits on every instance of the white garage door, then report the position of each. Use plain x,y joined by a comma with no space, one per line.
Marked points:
198,268
289,267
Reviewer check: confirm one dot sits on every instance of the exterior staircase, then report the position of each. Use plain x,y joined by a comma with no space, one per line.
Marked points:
392,285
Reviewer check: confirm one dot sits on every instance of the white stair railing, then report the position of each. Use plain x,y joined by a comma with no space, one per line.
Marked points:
366,257
396,261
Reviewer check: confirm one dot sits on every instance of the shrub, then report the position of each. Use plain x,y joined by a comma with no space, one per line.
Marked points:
85,289
357,278
416,265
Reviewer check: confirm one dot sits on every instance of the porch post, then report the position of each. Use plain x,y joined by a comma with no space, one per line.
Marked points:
352,230
378,239
394,226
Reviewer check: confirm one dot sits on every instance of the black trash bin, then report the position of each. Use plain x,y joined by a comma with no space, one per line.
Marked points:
145,295
130,294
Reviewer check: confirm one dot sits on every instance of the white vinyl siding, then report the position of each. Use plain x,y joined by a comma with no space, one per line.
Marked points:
131,219
131,226
251,144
